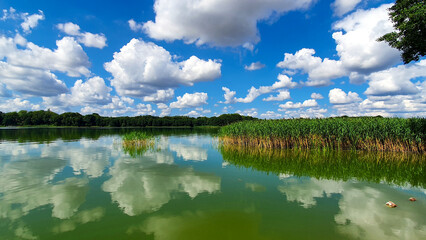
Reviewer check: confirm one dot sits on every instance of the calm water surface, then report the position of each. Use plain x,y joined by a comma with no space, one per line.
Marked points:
81,184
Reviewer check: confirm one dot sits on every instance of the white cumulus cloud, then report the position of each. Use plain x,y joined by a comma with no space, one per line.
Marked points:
359,52
93,91
254,66
215,22
397,80
189,100
283,82
160,96
86,38
320,71
135,26
31,21
338,96
17,104
282,95
356,42
141,68
316,96
291,105
69,56
270,115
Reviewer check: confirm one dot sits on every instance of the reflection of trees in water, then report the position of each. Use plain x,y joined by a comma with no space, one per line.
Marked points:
42,135
396,168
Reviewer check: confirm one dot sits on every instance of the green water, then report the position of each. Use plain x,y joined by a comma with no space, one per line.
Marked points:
81,184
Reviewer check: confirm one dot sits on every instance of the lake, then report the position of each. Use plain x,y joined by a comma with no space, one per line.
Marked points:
81,184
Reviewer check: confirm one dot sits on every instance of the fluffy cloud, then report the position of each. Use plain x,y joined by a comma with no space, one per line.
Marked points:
215,22
316,96
165,110
305,112
69,56
397,80
283,82
357,46
30,81
30,21
86,38
338,96
388,106
160,96
9,14
270,115
359,52
254,66
135,26
93,91
141,68
120,107
282,95
17,104
252,112
190,100
340,7
291,105
229,95
320,71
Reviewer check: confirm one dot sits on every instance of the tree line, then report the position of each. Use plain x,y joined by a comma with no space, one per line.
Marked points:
34,118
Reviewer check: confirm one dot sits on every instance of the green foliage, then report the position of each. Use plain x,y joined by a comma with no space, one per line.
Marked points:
24,118
409,19
395,168
136,143
339,132
136,135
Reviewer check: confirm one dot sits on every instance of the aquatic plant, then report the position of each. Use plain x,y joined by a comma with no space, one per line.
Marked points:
366,133
390,167
137,142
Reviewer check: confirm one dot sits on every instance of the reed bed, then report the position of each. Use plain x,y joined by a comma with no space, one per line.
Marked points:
391,167
359,133
136,143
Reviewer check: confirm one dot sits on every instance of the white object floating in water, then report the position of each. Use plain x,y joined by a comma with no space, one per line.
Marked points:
391,204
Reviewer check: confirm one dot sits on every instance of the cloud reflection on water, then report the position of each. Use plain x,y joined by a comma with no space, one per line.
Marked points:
362,211
145,184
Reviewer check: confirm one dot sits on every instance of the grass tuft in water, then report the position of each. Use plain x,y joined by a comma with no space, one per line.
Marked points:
137,143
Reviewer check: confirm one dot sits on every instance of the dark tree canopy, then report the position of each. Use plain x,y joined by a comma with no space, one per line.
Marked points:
34,118
409,19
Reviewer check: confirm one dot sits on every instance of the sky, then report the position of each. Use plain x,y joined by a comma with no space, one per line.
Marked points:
266,59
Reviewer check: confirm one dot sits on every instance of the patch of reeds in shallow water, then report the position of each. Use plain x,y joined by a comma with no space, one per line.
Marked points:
137,143
360,133
390,167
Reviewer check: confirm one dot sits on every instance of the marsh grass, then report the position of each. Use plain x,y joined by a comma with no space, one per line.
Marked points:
390,167
136,143
360,133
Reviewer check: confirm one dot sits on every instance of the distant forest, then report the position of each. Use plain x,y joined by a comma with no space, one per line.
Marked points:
34,118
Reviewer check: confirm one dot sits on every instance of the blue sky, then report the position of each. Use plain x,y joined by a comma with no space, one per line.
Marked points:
268,59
